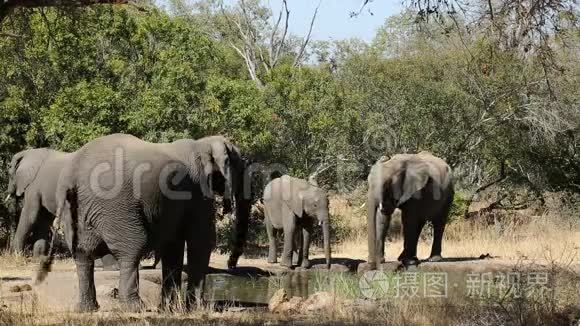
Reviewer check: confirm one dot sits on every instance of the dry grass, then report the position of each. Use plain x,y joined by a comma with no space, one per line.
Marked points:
537,239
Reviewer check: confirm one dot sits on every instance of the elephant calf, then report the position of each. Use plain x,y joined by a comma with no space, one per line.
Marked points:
293,205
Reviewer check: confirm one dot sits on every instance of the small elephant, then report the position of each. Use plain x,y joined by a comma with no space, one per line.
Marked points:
33,175
294,205
421,186
123,195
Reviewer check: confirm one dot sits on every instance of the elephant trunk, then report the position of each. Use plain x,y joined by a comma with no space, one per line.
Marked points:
372,231
326,236
242,206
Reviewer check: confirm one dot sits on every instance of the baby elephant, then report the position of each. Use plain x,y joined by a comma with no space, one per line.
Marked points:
293,205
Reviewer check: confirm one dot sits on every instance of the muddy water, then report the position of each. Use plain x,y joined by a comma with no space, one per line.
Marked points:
382,285
258,289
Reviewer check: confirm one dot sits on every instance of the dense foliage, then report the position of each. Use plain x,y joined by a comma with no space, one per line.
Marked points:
68,76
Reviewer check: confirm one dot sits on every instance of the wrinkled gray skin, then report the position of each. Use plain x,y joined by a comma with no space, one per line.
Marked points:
421,186
294,205
131,208
33,175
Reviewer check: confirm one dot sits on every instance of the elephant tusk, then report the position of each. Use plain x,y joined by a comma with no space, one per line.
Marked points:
7,198
319,223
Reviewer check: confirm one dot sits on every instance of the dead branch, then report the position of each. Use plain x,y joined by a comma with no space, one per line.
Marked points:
321,168
276,47
300,53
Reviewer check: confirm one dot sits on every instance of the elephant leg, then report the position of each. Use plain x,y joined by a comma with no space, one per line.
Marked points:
298,249
306,232
198,255
289,231
201,239
129,285
110,263
272,255
412,226
41,233
383,223
438,229
40,248
28,217
171,267
87,292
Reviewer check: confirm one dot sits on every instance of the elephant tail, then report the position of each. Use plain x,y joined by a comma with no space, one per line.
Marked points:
46,261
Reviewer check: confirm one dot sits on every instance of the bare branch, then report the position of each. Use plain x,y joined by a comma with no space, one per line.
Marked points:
274,59
307,39
362,7
248,53
321,168
273,35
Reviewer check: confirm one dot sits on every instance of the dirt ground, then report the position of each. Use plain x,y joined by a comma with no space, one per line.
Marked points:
59,292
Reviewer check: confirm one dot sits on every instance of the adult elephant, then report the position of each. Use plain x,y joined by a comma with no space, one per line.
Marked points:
294,205
127,196
33,175
421,186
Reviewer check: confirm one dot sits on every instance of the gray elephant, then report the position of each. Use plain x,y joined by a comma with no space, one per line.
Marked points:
421,186
294,205
127,196
33,174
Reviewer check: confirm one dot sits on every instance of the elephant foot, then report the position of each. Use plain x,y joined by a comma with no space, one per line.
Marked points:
133,306
305,264
272,260
435,258
286,263
413,261
365,267
232,261
86,307
401,256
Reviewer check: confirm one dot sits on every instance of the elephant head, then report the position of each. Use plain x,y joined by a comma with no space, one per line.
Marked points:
23,169
313,203
225,159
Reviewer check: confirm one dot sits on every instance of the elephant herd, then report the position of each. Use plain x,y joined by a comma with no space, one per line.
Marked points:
119,196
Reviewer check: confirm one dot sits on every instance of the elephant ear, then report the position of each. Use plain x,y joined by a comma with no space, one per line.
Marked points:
296,203
208,167
408,182
24,168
